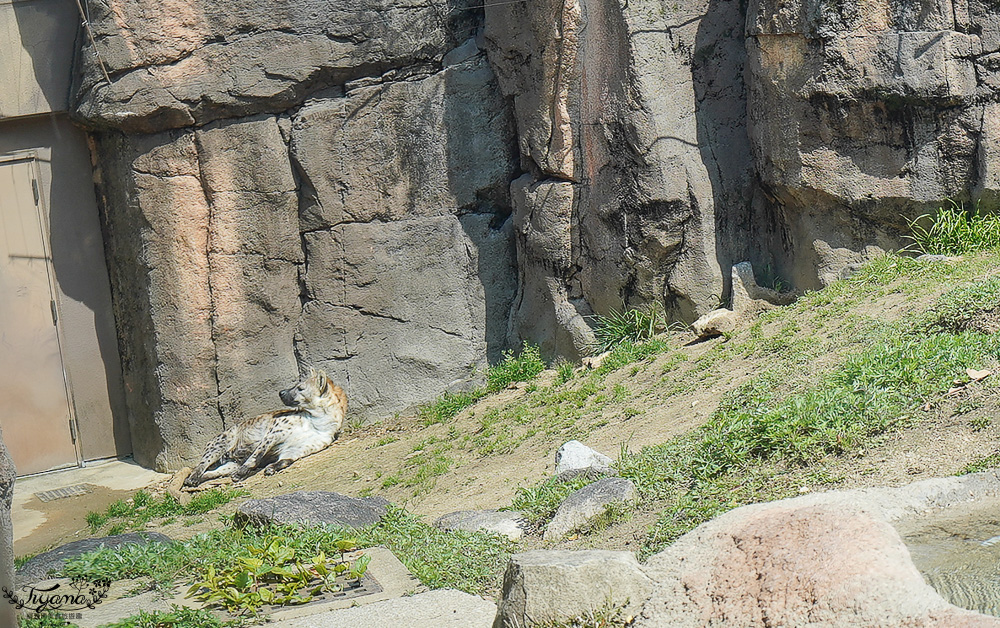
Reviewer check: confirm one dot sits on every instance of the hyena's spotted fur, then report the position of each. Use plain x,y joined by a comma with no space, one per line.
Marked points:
277,439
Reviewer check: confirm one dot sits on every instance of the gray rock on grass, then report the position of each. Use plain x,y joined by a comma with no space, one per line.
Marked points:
39,567
583,506
508,523
311,508
553,585
574,458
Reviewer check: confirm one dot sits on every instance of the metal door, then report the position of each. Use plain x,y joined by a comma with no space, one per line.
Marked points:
35,411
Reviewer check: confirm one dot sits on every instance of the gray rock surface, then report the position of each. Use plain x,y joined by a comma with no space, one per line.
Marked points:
574,458
446,608
39,567
358,188
554,585
7,478
618,206
849,123
270,243
508,523
583,506
179,64
828,559
311,508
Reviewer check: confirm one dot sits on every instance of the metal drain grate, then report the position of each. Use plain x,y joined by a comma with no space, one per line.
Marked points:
60,493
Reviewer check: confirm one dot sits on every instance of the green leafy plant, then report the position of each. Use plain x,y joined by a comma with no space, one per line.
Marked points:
275,574
633,325
954,230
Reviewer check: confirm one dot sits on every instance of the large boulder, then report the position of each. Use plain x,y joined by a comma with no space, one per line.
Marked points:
574,458
312,508
553,585
833,559
584,506
510,524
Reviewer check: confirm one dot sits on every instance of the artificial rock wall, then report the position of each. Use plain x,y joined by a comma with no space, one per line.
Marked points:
400,193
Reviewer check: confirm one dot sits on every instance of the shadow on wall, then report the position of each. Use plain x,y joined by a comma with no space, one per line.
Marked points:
718,71
49,34
487,222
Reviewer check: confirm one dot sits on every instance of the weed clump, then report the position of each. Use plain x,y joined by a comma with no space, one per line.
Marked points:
627,326
512,369
954,230
134,513
538,504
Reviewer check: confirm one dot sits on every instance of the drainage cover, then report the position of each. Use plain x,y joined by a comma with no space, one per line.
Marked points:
60,493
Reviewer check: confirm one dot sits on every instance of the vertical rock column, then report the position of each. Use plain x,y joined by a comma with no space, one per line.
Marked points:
617,206
405,220
208,314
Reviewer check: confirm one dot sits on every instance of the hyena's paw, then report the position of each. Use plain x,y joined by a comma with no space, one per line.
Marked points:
277,466
242,473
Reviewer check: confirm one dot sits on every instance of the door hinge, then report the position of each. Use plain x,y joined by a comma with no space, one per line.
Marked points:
72,430
34,190
55,315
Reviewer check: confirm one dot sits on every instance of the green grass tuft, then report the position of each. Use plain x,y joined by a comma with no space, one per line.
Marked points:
954,230
469,561
539,503
627,326
142,507
512,369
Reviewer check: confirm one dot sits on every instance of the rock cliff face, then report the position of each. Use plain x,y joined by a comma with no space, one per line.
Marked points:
400,193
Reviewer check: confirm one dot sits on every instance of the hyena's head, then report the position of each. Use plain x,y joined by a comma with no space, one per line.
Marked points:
313,392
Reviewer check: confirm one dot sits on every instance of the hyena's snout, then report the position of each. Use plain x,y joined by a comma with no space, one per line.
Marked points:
287,397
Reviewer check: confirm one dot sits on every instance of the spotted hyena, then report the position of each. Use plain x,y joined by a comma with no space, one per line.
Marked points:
276,439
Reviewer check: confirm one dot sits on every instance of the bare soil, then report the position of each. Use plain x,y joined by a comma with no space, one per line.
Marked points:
643,404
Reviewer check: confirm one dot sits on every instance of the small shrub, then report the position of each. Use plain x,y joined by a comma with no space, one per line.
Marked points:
954,230
624,326
513,369
564,372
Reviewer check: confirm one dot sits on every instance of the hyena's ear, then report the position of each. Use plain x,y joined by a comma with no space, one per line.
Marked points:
312,373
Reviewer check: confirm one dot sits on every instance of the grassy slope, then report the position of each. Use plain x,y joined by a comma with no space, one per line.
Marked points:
844,388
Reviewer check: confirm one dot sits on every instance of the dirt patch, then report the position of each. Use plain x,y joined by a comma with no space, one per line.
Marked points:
65,518
479,459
